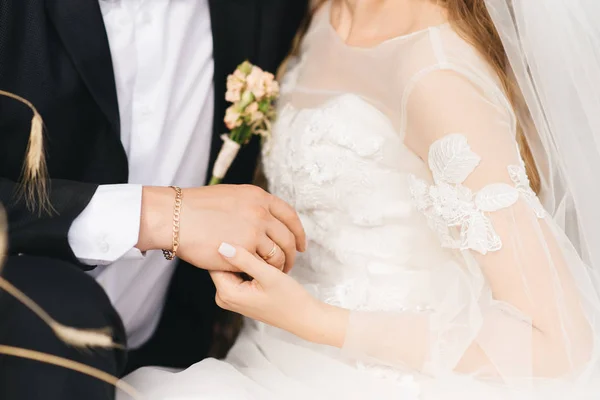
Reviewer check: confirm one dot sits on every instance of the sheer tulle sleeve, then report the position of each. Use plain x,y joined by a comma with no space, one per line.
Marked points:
517,302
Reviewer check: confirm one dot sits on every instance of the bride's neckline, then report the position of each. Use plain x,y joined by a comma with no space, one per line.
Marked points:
399,38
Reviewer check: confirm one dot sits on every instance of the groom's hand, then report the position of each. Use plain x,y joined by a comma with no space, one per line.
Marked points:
243,215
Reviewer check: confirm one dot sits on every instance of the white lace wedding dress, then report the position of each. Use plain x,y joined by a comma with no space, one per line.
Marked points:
444,262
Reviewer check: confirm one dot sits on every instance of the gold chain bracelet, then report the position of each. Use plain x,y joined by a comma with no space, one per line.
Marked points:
171,254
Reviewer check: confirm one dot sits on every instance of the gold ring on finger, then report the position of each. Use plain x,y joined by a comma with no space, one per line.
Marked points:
271,253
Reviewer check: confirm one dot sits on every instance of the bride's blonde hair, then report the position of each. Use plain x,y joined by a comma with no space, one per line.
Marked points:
472,21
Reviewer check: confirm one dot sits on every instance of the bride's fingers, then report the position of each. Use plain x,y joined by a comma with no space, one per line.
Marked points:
228,288
223,279
248,263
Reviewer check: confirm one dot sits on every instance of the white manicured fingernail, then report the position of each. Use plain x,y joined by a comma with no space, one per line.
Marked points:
227,250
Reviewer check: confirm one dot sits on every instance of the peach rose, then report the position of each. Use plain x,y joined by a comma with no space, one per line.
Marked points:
232,118
239,75
256,83
252,108
273,89
235,85
257,116
233,96
268,78
253,113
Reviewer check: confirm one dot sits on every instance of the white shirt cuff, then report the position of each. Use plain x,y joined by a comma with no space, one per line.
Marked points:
108,228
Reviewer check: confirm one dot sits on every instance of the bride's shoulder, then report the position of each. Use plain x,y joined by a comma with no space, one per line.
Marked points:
440,45
457,49
444,48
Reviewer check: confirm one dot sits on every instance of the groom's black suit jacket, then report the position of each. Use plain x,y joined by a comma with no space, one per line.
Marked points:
55,53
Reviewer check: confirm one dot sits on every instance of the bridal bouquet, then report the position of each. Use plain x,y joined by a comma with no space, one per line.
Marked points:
253,93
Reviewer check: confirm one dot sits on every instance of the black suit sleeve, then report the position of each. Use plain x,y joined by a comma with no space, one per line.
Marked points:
45,234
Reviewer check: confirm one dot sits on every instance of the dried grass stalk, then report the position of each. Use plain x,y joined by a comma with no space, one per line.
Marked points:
3,236
72,365
76,337
34,189
34,176
72,336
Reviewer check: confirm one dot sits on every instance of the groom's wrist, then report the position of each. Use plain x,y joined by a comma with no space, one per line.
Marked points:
156,222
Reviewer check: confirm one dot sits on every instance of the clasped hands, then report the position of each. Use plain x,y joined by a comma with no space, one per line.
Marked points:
243,215
228,229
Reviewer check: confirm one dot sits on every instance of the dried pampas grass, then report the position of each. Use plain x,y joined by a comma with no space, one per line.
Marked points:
34,186
34,177
72,365
3,236
101,338
72,336
75,337
35,191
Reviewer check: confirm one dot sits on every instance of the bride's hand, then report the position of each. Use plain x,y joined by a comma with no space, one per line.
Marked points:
276,299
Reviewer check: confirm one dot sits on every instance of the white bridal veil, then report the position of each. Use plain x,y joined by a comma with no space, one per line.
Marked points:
554,51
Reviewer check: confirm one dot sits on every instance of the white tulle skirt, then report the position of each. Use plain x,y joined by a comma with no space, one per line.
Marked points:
267,364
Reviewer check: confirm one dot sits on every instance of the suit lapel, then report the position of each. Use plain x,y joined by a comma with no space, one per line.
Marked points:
81,28
235,38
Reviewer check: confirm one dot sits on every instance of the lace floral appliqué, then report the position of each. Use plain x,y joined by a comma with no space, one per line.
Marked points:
451,206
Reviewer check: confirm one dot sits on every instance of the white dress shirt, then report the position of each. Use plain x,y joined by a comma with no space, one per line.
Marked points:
163,64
